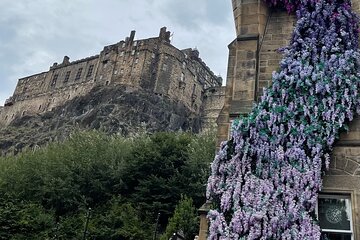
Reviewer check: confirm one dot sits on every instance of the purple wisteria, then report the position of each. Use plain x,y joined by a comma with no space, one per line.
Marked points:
265,180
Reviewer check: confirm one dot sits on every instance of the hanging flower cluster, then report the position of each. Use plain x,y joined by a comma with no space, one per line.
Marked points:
289,5
265,180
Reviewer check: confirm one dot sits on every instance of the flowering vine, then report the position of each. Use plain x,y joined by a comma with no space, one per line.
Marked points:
265,180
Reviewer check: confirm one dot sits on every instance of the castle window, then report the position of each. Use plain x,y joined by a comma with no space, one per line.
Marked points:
121,53
334,213
194,89
184,65
135,43
39,108
67,76
115,72
23,113
164,67
153,55
133,52
53,83
136,60
182,78
107,83
90,70
78,74
123,45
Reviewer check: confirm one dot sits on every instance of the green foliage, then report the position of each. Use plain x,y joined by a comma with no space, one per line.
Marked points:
24,221
184,220
119,221
126,182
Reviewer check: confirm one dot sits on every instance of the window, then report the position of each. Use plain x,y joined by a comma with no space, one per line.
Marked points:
335,216
121,53
123,45
67,76
194,89
78,74
153,55
53,83
132,52
90,70
182,78
164,67
184,65
136,60
135,43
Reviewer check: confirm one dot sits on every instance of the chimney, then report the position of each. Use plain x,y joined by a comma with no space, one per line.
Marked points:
66,60
162,34
132,36
167,36
194,53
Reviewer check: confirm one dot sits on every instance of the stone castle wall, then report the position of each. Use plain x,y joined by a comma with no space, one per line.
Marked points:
152,64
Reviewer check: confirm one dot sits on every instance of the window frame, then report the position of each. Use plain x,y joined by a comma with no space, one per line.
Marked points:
338,194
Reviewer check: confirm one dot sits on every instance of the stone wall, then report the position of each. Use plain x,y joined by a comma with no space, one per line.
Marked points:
151,64
213,104
253,56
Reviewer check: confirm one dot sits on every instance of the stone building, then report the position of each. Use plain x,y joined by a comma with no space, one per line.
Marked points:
253,57
151,64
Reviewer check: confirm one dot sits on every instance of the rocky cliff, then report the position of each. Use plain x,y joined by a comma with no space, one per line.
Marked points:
114,110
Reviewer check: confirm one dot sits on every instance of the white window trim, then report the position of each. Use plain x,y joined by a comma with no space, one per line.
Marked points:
338,195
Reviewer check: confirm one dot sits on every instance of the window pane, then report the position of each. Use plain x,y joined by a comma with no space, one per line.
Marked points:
336,236
335,213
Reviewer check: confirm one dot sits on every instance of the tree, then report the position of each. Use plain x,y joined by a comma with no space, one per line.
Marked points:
184,220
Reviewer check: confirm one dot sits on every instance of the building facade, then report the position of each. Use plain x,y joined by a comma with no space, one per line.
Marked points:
151,64
253,56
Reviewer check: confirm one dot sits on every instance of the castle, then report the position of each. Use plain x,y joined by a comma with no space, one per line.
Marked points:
152,64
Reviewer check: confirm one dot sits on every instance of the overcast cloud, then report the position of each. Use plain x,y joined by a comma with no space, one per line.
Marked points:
36,33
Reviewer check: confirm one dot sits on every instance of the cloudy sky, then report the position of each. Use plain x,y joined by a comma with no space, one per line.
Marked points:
36,33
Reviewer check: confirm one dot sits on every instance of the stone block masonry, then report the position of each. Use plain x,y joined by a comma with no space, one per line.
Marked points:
151,64
253,56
